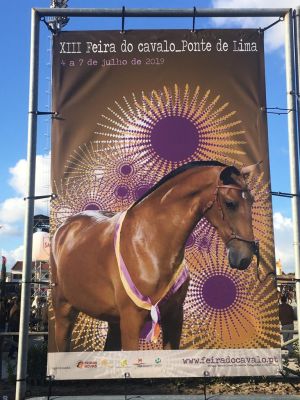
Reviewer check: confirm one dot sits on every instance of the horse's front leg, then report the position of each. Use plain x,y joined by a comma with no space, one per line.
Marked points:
172,320
132,320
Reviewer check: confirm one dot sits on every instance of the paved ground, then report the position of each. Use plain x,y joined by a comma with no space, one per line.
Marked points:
171,397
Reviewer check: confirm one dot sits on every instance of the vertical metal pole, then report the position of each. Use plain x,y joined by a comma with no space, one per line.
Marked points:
297,56
296,25
28,228
293,147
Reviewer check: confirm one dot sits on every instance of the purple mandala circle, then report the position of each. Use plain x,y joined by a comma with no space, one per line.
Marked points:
219,292
141,190
92,207
174,138
191,241
203,243
122,191
126,169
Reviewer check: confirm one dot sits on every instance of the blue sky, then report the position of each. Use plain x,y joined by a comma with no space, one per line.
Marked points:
14,81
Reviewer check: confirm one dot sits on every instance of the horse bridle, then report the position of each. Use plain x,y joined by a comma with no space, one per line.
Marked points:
233,235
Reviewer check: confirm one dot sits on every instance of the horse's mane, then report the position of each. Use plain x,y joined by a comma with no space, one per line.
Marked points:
181,169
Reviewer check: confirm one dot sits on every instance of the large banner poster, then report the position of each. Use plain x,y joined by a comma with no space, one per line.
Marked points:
162,257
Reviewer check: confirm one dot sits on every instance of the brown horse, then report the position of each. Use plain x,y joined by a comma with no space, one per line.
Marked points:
85,271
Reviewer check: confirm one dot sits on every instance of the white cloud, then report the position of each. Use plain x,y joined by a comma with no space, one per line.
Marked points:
17,254
274,37
13,256
12,210
283,231
42,180
281,222
10,230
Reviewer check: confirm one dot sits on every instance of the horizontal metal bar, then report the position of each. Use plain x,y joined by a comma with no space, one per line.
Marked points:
156,12
43,112
284,194
287,280
287,373
47,196
33,333
290,342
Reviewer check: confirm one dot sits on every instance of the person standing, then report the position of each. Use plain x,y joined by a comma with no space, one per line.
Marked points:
286,318
2,315
13,326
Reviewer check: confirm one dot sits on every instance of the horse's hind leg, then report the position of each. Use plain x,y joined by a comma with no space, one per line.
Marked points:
64,314
113,339
65,317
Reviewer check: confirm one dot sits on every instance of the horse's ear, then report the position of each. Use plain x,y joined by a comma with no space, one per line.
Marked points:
250,169
228,175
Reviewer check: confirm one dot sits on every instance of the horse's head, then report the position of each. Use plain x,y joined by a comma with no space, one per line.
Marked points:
230,214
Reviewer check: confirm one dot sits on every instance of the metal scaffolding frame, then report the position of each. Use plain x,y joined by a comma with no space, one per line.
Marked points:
292,24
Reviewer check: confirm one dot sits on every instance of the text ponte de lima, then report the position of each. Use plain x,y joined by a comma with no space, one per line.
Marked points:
164,46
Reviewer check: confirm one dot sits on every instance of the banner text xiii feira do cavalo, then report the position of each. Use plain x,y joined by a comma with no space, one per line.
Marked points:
164,46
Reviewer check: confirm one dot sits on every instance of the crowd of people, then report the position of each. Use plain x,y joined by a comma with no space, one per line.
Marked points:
287,315
10,319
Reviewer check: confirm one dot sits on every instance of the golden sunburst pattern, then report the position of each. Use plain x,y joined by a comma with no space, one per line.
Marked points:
227,308
173,126
122,178
71,199
142,138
